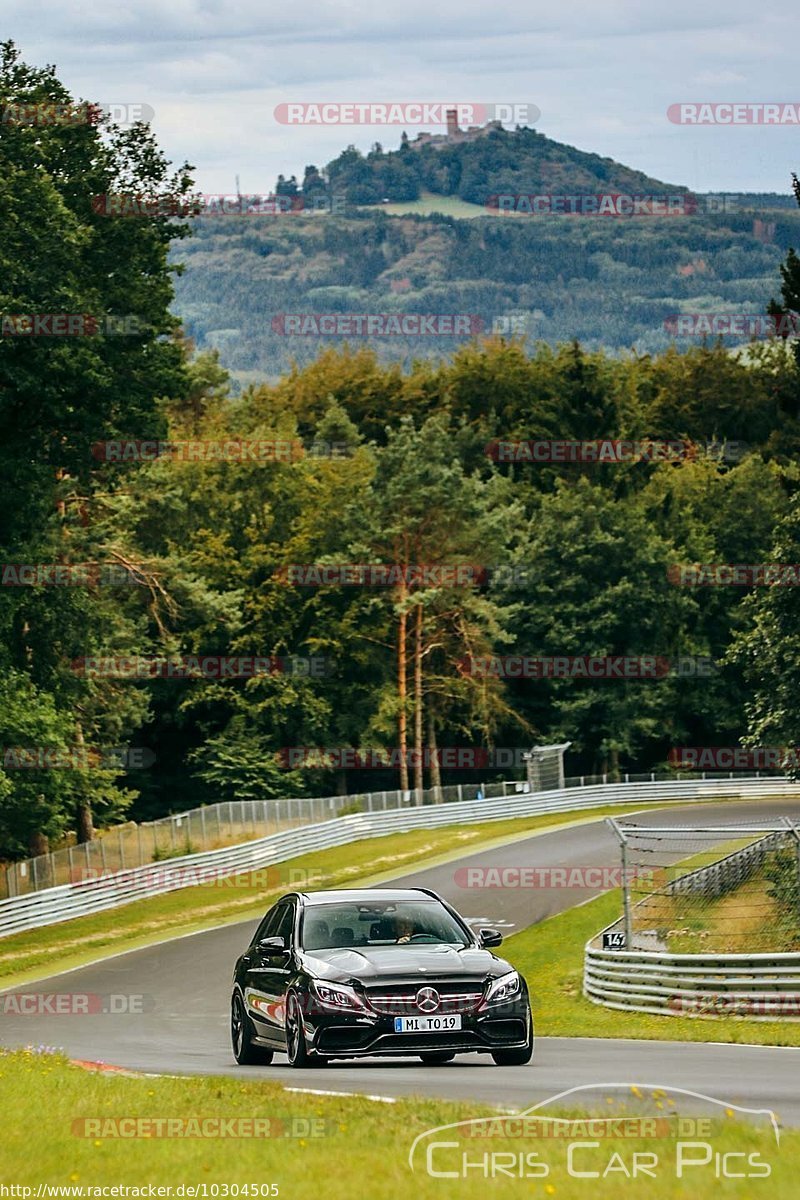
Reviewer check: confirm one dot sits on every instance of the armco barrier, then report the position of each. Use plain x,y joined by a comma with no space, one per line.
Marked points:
759,986
96,895
763,987
730,872
231,822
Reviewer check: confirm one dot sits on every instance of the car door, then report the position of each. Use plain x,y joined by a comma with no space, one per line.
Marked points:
252,966
268,974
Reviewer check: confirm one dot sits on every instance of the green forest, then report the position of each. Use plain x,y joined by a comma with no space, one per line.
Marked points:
193,552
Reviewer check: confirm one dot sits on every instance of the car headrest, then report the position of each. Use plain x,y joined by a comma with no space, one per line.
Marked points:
317,935
342,936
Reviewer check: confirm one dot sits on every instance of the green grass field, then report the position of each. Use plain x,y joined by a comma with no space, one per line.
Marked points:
64,1126
430,202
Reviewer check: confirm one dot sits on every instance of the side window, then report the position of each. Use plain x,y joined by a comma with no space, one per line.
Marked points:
285,926
267,926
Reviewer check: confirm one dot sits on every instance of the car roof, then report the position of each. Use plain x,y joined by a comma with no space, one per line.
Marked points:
365,896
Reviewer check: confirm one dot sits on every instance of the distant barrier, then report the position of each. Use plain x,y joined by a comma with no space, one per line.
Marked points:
122,886
763,987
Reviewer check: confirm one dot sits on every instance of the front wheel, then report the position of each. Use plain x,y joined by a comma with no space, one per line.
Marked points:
519,1055
296,1050
244,1051
435,1058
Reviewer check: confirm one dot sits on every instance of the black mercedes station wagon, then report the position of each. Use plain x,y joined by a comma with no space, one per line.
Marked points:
375,972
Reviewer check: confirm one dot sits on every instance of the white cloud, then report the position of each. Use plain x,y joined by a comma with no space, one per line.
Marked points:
602,75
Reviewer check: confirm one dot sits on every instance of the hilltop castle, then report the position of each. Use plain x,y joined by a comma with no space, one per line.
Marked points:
454,135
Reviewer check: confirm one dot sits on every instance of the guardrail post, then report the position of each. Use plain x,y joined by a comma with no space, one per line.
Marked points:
796,835
626,887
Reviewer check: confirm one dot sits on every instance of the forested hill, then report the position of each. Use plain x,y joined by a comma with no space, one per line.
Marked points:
612,283
521,161
418,231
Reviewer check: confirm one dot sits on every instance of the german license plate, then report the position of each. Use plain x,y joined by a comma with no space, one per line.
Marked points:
426,1024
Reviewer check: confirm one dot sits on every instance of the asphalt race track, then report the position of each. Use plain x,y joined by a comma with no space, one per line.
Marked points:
185,985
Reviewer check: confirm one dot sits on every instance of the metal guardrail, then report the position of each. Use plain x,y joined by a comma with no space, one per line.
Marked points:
722,876
121,887
230,822
762,987
759,986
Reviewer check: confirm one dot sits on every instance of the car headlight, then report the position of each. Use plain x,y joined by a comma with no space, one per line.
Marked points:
337,996
506,987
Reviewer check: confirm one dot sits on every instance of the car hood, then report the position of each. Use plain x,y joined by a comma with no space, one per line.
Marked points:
399,962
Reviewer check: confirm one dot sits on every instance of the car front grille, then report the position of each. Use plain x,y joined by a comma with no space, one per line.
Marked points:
399,999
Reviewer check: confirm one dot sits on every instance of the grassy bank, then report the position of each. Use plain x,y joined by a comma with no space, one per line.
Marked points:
307,1145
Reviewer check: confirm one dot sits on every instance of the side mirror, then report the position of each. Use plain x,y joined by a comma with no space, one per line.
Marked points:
271,947
490,937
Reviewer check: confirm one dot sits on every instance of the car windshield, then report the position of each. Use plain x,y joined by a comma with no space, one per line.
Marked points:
401,922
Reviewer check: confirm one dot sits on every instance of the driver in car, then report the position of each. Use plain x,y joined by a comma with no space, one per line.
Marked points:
406,928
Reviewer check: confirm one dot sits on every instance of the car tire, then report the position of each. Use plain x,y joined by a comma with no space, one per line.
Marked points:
519,1055
435,1058
244,1051
297,1052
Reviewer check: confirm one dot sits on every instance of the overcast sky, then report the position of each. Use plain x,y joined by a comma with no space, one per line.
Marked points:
603,74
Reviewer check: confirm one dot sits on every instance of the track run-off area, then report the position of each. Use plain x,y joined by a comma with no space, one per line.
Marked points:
183,991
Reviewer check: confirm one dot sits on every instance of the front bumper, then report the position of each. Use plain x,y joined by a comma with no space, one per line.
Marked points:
341,1035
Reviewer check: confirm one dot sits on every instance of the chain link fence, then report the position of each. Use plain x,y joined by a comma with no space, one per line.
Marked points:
710,890
231,822
212,827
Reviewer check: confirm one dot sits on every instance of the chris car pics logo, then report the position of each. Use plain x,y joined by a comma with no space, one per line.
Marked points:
625,1131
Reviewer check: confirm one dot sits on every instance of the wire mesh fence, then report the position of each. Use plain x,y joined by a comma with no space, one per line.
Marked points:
212,827
711,890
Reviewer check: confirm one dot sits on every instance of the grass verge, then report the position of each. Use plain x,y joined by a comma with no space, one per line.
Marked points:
550,956
355,1144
